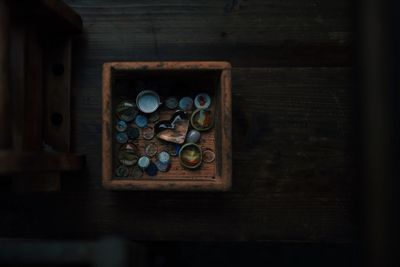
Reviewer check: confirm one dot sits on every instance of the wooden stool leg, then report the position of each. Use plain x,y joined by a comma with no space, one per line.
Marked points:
5,109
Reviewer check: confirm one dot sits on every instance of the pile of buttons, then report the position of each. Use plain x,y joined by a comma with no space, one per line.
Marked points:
146,143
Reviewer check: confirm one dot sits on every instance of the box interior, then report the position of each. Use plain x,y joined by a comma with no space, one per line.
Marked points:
178,83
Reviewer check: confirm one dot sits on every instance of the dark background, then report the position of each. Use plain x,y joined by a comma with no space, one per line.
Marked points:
299,144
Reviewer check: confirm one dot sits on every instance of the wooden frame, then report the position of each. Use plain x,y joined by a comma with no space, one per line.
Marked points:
222,181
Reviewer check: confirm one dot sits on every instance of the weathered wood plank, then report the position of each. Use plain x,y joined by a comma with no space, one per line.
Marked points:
293,170
253,33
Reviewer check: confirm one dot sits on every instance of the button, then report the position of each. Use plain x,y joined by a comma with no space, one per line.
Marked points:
144,162
162,167
133,132
151,169
121,138
163,157
148,101
148,133
151,149
190,156
126,110
163,162
171,102
202,101
154,117
121,126
186,103
193,136
202,120
122,171
208,156
141,121
136,172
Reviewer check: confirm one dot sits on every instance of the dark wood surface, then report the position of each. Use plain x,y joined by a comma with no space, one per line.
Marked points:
294,169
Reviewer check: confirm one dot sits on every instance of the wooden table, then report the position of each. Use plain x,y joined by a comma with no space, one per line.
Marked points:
294,124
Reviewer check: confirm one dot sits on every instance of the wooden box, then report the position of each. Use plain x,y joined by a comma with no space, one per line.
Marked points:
123,80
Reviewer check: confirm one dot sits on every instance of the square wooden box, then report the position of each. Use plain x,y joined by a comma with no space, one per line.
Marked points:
122,80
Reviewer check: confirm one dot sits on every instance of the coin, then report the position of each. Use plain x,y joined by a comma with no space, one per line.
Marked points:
208,156
151,149
148,133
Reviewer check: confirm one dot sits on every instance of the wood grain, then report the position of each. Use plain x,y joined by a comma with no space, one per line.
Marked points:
294,171
255,33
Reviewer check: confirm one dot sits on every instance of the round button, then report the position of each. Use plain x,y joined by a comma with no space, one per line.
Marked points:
151,149
141,121
121,126
163,157
148,133
186,103
136,172
144,162
151,169
133,133
162,167
171,102
208,156
202,101
126,110
148,101
193,136
122,138
122,171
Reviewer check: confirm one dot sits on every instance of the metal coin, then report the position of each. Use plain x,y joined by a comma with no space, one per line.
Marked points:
122,138
122,171
208,156
148,133
121,126
151,149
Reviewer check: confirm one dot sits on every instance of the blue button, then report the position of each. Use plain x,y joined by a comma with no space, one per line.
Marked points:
122,138
141,121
